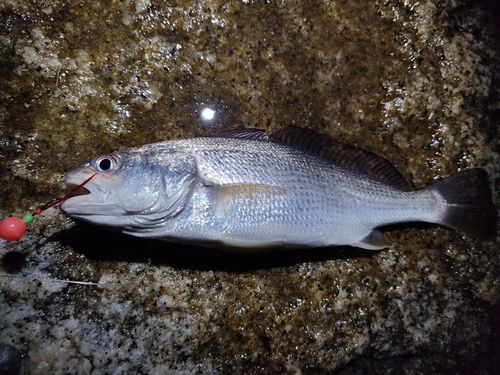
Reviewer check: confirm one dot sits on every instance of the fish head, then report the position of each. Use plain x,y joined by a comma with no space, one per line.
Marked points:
134,191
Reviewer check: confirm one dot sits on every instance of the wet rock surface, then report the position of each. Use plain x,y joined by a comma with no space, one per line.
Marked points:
416,82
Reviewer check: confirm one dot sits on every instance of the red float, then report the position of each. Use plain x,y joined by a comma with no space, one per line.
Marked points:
12,228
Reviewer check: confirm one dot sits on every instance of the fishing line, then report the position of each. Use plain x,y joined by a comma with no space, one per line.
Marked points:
13,228
28,278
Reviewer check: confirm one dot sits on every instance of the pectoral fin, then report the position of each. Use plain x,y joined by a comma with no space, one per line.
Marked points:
228,195
374,241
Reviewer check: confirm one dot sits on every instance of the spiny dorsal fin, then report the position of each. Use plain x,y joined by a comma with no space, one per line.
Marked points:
248,133
343,154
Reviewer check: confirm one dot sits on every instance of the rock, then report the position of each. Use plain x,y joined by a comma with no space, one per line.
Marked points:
415,82
10,360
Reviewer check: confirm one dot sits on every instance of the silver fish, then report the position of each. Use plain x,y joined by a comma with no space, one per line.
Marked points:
243,189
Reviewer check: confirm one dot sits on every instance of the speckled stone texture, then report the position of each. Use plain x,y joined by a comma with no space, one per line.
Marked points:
416,82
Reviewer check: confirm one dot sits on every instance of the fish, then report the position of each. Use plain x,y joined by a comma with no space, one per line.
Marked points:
243,190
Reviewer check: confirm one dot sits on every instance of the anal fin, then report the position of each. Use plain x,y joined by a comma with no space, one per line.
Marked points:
374,241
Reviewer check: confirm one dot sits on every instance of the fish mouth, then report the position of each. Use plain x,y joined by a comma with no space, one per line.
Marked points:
85,199
81,191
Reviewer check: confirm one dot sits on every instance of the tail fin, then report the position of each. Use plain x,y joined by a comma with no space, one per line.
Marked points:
468,206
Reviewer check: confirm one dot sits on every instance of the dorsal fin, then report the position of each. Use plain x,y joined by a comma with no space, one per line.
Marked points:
247,133
343,154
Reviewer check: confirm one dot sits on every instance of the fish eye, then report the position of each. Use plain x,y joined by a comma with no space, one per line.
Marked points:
105,163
